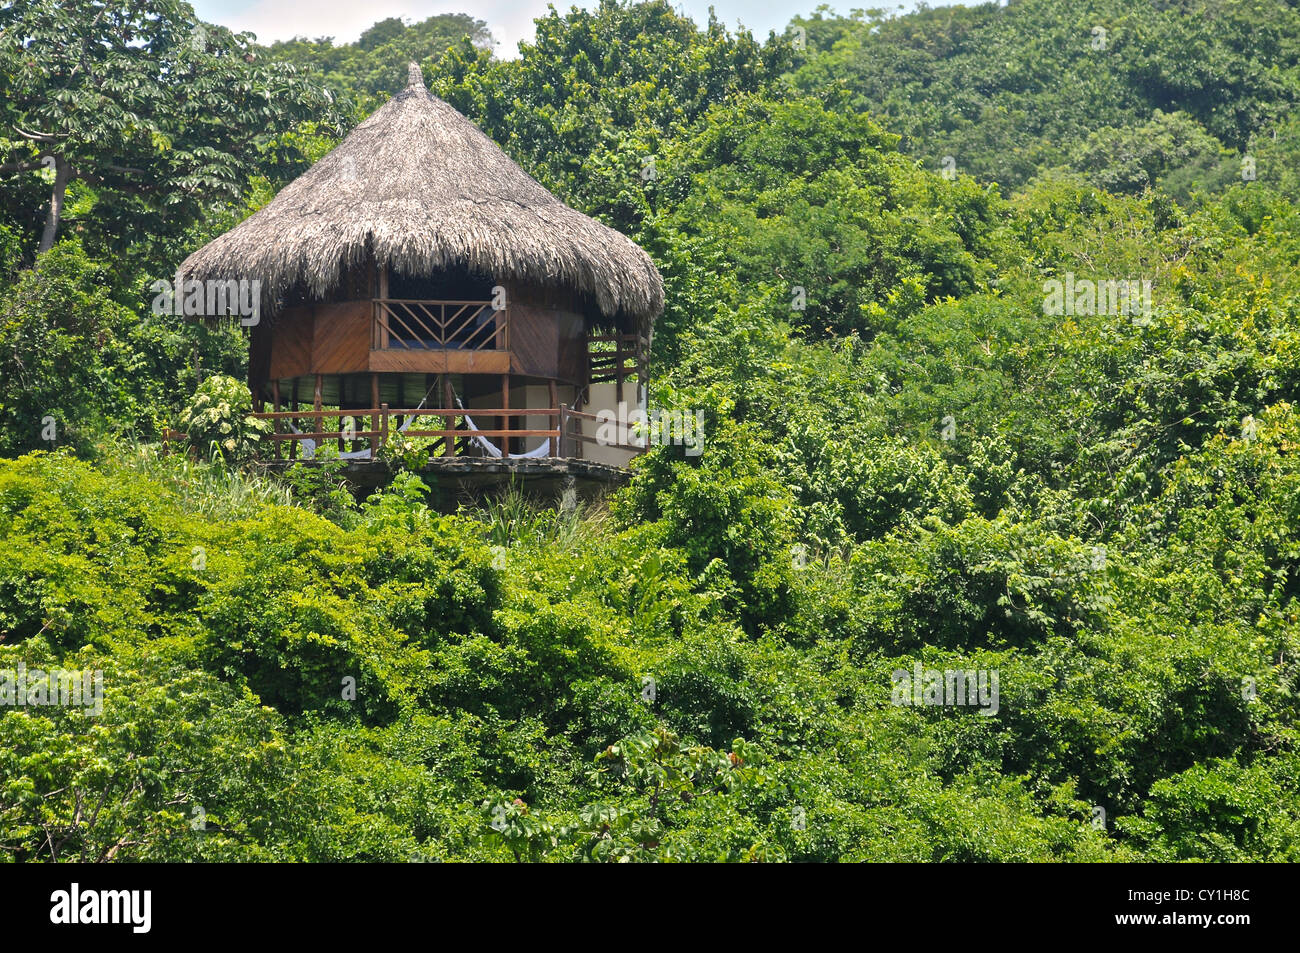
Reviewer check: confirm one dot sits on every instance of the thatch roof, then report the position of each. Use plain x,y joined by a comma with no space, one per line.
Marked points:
423,189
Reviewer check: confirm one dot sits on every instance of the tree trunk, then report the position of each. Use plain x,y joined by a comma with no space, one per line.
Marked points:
61,175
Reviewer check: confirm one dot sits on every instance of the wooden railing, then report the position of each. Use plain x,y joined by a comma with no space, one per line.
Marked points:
579,437
291,427
618,363
410,324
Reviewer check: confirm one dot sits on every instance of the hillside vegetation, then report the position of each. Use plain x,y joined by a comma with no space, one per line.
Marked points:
908,465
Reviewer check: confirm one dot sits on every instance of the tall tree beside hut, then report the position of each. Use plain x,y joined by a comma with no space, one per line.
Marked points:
142,112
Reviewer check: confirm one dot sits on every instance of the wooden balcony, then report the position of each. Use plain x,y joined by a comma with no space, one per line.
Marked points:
457,337
409,324
404,336
293,428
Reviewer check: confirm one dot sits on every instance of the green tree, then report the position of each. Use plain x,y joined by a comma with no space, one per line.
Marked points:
374,66
72,360
157,112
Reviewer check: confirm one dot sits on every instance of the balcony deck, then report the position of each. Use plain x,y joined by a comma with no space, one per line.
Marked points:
439,337
455,439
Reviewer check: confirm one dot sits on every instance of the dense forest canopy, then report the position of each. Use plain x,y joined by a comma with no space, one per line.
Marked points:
912,463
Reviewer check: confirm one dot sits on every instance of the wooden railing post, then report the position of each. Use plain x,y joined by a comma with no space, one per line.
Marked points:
448,422
503,422
556,447
275,421
374,416
295,420
316,408
383,426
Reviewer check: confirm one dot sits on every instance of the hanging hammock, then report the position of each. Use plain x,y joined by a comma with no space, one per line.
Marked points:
491,449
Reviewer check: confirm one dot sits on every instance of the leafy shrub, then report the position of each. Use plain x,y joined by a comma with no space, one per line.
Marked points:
71,362
217,421
726,512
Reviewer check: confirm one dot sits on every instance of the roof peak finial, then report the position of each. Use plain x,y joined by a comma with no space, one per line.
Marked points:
414,77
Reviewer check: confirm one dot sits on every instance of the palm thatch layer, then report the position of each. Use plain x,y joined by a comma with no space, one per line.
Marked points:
424,190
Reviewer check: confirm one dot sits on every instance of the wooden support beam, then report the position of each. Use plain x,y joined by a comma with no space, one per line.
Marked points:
383,294
505,420
342,394
553,397
275,406
316,404
374,416
579,402
423,361
449,443
293,421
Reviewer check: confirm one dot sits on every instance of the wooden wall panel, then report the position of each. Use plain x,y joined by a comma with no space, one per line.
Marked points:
341,339
571,348
547,340
291,343
547,328
534,341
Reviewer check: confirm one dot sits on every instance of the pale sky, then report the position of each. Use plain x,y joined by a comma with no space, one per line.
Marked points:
509,20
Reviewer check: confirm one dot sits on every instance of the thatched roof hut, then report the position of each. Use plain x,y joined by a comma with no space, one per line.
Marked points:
418,188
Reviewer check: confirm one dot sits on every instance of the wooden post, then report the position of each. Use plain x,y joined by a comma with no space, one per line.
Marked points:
342,399
374,415
381,309
449,422
316,406
579,403
275,406
293,421
618,368
505,420
553,396
563,424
